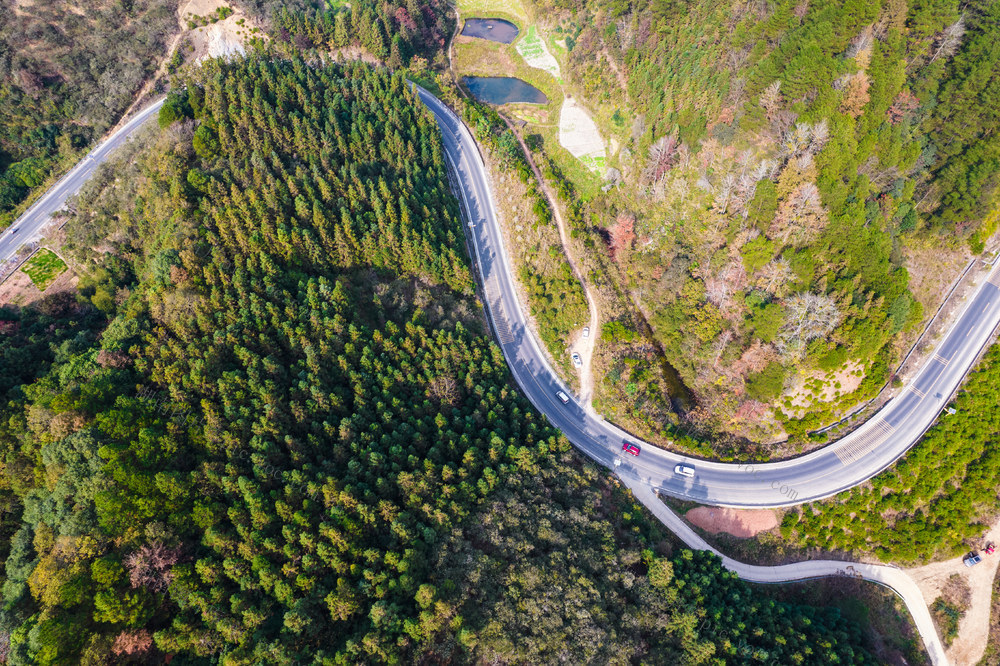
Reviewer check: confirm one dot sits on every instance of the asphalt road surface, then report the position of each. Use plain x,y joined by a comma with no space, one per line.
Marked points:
28,227
822,473
825,472
841,465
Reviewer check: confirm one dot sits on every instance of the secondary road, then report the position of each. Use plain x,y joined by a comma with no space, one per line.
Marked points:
822,473
837,467
29,226
895,579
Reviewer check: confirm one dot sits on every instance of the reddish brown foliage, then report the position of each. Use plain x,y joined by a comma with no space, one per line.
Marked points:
750,411
150,566
904,104
178,275
129,643
404,20
622,235
856,95
112,359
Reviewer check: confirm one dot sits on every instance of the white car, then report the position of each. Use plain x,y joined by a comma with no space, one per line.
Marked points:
563,398
577,361
586,331
684,470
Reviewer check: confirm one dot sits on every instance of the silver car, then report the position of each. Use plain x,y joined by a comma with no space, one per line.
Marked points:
577,361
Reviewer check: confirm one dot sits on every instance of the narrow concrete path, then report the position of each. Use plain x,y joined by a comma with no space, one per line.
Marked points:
892,577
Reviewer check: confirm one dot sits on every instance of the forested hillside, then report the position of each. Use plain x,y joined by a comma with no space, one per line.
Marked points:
775,161
936,502
393,32
292,441
68,71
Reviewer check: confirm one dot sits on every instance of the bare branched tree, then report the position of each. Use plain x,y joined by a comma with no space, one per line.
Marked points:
724,191
151,565
662,155
949,40
820,135
626,32
796,139
737,58
770,100
774,277
810,316
863,41
800,217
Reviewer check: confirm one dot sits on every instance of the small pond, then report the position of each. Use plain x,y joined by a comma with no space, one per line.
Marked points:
495,30
503,90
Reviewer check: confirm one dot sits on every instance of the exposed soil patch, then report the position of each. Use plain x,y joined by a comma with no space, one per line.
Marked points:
222,38
579,135
18,289
820,386
737,522
974,627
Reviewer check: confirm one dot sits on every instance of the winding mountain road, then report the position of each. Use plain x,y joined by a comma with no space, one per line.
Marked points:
846,463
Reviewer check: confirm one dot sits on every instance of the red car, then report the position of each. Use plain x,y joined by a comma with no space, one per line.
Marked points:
990,548
631,448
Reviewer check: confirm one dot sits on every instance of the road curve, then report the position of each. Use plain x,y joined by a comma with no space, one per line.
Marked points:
717,483
29,226
895,579
600,440
827,471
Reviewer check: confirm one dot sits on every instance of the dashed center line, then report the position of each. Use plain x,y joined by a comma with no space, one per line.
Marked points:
864,443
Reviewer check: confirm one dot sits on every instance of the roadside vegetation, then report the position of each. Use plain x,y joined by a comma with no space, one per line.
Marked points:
773,161
292,441
949,609
935,502
66,76
555,297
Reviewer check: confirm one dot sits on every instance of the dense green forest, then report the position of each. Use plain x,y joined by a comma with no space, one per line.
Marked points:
935,502
66,76
776,160
393,32
292,442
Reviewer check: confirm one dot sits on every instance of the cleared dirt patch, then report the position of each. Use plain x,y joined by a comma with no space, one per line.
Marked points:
532,48
737,522
219,39
974,627
579,135
18,289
